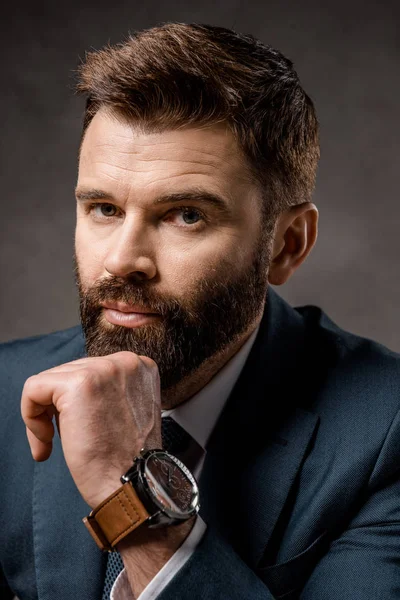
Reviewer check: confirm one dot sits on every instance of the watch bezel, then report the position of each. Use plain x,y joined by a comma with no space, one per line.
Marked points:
160,514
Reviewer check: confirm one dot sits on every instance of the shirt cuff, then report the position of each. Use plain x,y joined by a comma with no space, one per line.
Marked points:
121,590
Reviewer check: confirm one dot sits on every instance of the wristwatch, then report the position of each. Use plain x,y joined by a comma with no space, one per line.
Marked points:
158,490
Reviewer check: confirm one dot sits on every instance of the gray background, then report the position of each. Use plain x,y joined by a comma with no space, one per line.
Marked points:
347,56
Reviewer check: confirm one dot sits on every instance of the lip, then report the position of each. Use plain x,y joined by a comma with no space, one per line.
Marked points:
131,319
127,308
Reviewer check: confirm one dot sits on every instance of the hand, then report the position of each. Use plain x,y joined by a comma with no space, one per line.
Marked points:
106,409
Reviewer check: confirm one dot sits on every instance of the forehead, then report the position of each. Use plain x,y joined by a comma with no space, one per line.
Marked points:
122,154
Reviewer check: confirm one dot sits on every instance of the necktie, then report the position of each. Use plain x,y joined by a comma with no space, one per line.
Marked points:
179,443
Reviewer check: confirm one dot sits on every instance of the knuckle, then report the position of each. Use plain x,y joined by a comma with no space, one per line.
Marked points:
110,367
92,377
130,357
149,362
30,383
84,379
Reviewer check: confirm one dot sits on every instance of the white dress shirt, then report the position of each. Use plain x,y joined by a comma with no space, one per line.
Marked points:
198,416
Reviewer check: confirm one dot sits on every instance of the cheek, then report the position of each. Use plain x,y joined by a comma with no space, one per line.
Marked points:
89,258
186,269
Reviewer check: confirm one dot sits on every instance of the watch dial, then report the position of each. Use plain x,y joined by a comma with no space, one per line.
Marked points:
169,484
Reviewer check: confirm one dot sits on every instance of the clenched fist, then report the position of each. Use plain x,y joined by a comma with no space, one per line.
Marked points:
106,409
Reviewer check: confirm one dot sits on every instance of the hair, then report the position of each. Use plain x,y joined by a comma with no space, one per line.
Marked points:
179,75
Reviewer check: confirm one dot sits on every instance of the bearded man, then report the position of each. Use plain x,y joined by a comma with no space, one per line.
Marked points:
196,437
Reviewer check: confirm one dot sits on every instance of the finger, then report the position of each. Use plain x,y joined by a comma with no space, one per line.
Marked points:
57,418
73,365
42,390
37,408
40,451
42,427
66,368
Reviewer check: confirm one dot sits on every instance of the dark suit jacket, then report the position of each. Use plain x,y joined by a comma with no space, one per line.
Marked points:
300,488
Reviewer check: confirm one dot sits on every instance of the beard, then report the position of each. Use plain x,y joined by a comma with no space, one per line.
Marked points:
188,331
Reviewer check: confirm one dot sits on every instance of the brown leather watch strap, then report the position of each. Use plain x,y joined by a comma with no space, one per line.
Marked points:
115,517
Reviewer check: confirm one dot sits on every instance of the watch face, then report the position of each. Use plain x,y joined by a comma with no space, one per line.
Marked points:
171,484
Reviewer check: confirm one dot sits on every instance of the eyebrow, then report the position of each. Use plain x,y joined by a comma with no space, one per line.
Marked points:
193,195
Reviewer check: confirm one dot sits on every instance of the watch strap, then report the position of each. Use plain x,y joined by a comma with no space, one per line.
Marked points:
116,517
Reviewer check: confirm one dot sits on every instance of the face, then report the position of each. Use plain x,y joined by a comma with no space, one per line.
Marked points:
170,223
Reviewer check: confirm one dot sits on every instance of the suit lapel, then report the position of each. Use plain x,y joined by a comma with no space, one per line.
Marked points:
262,436
68,563
269,479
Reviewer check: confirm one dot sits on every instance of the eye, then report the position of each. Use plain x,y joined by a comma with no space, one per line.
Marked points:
105,210
191,217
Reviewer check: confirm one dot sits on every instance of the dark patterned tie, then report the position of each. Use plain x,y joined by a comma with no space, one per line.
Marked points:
179,443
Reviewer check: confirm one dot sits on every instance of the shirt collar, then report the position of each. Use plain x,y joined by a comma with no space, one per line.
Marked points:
199,415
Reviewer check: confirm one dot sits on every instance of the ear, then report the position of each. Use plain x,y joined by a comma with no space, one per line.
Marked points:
295,234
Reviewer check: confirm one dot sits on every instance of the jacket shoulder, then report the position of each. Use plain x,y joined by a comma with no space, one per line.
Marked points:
42,345
347,345
62,334
360,378
21,358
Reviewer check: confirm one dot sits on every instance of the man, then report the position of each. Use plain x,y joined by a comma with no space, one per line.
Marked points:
197,165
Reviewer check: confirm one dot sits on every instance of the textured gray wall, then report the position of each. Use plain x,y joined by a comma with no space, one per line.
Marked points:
347,56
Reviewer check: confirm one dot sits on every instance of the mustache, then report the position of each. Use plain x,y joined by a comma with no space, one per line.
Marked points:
115,290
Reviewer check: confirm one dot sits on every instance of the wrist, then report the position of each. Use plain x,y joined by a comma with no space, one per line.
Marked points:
147,551
158,491
164,539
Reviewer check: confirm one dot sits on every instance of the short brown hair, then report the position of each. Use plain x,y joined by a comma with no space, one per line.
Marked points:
179,74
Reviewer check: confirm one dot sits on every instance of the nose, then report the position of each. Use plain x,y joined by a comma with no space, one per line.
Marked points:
130,252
